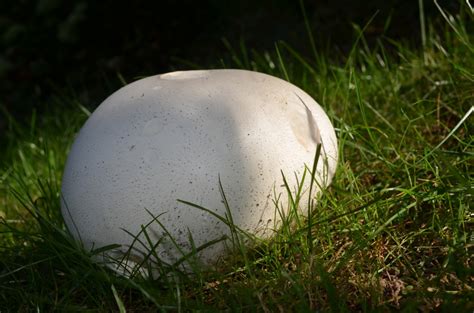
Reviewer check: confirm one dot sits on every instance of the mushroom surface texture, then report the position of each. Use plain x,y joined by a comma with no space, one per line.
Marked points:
176,136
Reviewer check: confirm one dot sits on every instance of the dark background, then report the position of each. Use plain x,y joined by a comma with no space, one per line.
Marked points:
78,48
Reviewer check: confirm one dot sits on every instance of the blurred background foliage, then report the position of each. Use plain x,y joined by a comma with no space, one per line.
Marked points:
87,48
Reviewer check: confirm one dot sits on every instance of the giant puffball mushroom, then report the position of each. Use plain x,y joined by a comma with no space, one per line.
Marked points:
174,136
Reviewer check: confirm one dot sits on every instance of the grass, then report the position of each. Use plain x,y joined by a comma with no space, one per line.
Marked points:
393,232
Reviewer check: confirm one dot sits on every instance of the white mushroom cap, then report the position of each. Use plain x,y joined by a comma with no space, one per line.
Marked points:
172,136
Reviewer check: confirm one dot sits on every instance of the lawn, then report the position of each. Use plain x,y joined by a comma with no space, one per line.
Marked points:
394,231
